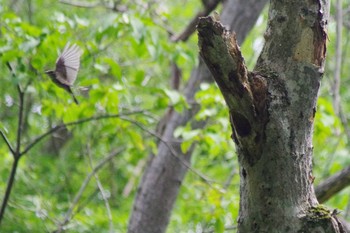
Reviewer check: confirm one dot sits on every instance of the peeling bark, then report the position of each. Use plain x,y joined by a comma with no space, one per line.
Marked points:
272,110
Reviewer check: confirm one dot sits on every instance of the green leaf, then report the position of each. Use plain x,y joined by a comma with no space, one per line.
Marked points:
11,55
138,29
173,95
113,67
139,77
219,226
187,135
185,146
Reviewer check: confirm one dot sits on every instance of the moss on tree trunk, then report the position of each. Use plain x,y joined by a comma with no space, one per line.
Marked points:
272,110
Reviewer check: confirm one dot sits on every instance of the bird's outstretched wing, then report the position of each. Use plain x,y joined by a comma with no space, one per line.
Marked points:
67,64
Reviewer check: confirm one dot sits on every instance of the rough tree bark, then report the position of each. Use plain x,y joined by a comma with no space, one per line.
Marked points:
272,111
161,181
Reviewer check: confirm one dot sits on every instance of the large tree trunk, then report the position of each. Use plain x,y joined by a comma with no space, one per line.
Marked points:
164,174
272,111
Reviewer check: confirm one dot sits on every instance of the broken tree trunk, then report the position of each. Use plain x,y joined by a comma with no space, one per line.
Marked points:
164,174
272,110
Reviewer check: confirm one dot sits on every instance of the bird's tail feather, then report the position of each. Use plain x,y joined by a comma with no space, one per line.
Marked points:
72,94
75,99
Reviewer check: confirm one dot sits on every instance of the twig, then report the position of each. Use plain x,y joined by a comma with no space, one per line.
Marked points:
137,171
104,197
172,151
7,142
338,58
344,122
225,187
95,118
191,27
85,202
113,7
333,185
77,197
81,4
20,114
16,153
347,210
20,121
330,158
229,179
10,182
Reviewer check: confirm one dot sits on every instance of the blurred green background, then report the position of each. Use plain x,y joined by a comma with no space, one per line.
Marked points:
126,67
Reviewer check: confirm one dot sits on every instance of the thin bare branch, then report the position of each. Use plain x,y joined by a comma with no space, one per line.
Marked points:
172,151
82,4
131,182
103,194
77,197
85,120
333,185
7,142
230,178
20,120
10,182
344,122
85,202
16,153
20,113
191,27
338,58
347,210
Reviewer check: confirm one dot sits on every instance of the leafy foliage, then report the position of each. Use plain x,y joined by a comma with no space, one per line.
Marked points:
125,68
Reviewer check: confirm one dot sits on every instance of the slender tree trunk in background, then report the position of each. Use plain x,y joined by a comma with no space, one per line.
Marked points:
272,111
161,181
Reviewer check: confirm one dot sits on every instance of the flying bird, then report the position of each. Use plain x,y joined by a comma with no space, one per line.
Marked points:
67,67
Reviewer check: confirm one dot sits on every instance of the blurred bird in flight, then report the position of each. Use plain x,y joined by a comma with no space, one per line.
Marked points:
67,67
